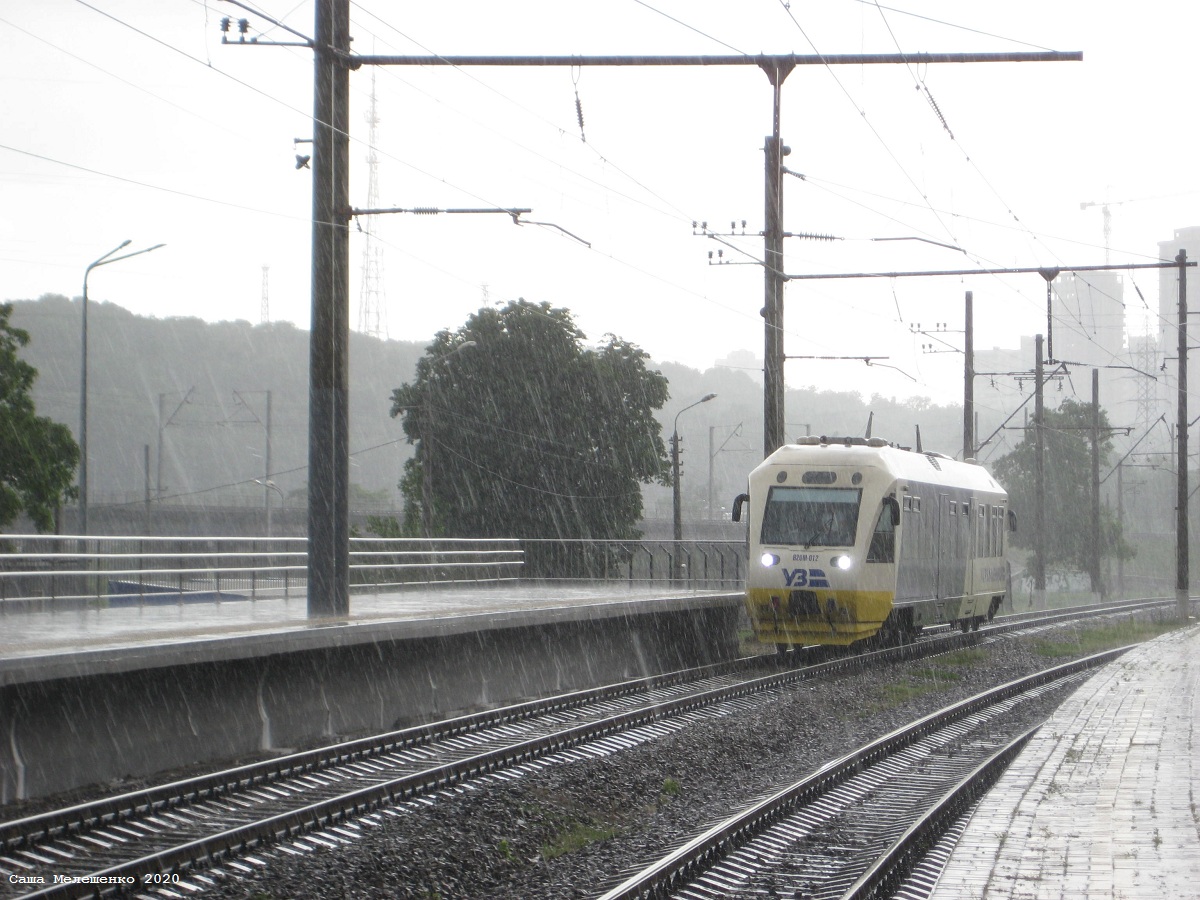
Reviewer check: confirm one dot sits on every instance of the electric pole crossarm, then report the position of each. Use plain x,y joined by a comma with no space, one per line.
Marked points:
433,211
1021,270
768,62
305,40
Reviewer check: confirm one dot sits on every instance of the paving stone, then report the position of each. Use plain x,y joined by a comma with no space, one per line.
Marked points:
1102,802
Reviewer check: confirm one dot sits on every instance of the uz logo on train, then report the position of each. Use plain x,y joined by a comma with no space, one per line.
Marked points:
798,578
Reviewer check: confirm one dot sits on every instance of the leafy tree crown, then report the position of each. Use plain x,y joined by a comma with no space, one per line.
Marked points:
37,456
523,431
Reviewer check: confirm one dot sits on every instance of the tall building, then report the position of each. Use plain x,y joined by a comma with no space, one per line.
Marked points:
1089,333
1187,240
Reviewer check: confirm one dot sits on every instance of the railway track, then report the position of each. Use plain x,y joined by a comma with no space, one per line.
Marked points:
858,826
175,831
188,825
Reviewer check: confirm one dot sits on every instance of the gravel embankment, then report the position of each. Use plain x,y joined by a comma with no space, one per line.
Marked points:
618,812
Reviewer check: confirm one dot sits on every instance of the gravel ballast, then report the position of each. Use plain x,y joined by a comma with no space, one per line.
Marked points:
573,829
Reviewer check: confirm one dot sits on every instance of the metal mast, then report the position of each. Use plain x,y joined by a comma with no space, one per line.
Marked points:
1145,357
372,319
264,311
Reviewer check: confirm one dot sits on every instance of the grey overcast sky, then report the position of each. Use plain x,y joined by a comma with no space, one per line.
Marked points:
130,119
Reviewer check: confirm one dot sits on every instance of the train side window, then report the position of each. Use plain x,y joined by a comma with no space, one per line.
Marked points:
908,504
883,538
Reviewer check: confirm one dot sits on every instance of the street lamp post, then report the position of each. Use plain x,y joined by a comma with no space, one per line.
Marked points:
676,506
268,485
83,379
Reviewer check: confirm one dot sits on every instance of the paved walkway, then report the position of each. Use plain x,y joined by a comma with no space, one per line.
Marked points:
1104,802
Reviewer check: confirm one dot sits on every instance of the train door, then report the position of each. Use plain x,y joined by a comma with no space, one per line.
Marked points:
940,528
953,541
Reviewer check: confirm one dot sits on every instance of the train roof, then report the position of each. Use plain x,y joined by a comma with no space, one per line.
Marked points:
902,462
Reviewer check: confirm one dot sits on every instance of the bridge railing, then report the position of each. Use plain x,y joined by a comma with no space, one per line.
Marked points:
70,571
701,565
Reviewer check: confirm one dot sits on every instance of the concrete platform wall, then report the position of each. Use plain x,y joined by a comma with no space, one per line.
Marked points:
67,732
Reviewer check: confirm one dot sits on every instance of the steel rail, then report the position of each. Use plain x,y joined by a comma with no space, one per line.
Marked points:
688,861
885,874
356,802
33,831
238,840
46,826
30,830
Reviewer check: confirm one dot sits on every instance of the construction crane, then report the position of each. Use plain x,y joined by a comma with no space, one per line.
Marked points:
1107,213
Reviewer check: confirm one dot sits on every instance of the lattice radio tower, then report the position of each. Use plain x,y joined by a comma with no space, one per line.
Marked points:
264,312
372,318
1146,358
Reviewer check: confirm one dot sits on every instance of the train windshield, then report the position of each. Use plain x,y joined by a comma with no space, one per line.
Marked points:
811,515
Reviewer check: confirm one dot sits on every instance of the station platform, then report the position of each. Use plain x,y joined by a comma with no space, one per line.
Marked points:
120,693
1103,801
38,645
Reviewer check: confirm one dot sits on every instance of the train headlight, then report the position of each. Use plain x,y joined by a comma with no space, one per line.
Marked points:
841,562
769,559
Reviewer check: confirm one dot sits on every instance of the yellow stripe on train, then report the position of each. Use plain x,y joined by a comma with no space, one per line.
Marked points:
822,616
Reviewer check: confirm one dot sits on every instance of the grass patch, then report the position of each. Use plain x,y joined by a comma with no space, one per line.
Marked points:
1102,637
902,691
962,658
894,693
576,837
942,672
671,787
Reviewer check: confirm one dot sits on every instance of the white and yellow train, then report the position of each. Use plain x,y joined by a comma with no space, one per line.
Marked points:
851,538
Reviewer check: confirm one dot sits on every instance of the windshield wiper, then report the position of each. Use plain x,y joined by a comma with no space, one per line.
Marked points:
820,533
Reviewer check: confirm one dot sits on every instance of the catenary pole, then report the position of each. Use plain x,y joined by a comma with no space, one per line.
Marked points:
1039,481
1094,549
328,508
777,67
328,426
1120,528
773,350
1181,499
969,378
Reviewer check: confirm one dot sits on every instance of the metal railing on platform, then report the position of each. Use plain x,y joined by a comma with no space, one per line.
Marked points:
57,571
121,571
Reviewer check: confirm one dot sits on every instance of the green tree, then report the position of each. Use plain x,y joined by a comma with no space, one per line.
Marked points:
528,433
37,456
1067,489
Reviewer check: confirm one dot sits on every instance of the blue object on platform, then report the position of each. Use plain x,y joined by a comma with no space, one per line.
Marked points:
133,593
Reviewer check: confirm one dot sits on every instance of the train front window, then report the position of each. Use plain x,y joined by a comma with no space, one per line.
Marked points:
810,515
